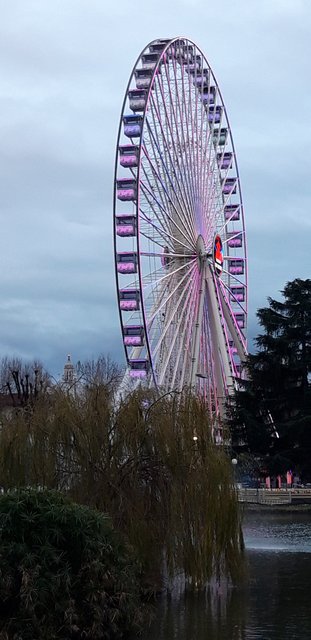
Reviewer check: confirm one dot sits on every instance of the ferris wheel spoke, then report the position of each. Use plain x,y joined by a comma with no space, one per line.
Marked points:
214,190
151,197
157,201
165,155
166,136
152,254
220,296
180,343
223,369
172,320
165,362
227,292
207,365
169,185
166,206
176,312
189,127
153,240
149,278
211,184
235,235
199,128
153,205
235,332
184,351
226,257
172,292
171,121
167,237
212,181
187,142
206,158
212,213
163,187
203,136
227,221
233,276
181,142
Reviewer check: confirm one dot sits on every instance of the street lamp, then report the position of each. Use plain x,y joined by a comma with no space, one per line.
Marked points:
168,393
234,463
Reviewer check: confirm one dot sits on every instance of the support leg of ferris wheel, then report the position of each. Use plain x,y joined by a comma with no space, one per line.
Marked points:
223,373
235,334
198,327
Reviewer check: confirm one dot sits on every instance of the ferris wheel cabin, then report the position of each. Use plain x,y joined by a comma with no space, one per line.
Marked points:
125,225
139,368
129,299
133,336
127,189
132,125
127,262
129,155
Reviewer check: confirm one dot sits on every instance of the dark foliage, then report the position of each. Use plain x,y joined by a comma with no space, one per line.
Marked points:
64,572
271,416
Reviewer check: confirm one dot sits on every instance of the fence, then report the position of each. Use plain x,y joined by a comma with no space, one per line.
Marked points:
274,496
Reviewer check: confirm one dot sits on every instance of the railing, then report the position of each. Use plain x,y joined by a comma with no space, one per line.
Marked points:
265,496
274,496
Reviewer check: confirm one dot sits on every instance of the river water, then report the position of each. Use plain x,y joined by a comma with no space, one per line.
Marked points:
274,603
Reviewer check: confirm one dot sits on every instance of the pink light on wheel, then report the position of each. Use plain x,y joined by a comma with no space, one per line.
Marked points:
133,341
134,373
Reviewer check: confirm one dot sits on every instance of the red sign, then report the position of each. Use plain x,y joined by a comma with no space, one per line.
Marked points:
218,255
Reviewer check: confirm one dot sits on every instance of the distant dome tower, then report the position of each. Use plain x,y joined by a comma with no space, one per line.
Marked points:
69,374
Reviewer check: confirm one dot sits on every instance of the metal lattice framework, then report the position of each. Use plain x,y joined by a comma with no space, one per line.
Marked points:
180,245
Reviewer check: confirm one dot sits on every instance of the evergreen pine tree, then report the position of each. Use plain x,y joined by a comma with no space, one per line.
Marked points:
275,399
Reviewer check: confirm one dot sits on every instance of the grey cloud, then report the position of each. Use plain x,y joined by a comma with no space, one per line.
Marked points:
64,69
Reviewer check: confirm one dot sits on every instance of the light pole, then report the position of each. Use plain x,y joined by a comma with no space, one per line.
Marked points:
234,463
168,393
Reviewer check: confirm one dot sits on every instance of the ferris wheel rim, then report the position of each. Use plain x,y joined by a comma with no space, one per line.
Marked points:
139,265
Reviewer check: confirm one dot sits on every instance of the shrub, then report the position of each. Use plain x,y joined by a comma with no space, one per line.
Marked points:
64,571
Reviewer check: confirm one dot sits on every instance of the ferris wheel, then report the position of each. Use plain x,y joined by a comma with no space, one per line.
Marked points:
179,234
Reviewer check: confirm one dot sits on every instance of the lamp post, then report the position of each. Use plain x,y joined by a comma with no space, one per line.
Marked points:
234,463
168,393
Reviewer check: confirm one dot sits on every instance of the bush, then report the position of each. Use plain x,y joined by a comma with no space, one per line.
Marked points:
64,571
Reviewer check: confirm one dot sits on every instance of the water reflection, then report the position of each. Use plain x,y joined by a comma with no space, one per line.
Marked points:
198,617
280,532
274,604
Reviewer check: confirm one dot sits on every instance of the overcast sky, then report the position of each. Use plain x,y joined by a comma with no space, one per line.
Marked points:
64,66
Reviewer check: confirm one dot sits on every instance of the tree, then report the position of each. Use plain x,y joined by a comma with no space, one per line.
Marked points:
272,409
22,382
65,573
171,496
103,371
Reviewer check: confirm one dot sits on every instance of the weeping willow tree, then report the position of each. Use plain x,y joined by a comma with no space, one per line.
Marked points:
150,464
